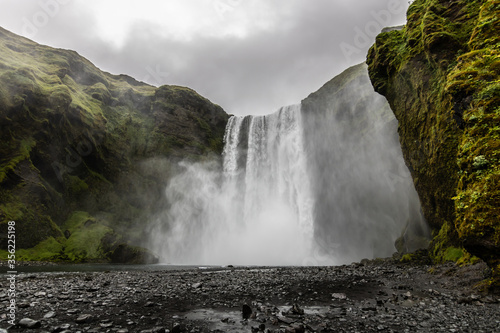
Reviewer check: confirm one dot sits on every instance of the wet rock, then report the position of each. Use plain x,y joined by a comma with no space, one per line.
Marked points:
296,310
84,318
50,314
285,320
177,328
295,328
264,291
339,296
369,308
127,254
197,285
61,328
246,311
23,305
298,328
29,323
338,312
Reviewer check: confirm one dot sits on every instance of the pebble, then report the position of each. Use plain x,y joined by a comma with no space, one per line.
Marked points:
50,314
373,297
83,318
29,323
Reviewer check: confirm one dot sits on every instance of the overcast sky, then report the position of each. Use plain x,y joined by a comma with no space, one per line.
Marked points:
249,56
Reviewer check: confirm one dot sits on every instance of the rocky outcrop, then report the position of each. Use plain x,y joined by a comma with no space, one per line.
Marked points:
85,154
364,196
440,75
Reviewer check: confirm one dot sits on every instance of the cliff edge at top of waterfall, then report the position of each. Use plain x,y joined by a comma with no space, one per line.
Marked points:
85,154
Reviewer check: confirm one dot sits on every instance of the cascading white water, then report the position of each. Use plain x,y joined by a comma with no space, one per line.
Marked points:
258,211
319,183
273,173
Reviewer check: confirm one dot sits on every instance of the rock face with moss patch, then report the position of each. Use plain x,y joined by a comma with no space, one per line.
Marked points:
76,141
440,75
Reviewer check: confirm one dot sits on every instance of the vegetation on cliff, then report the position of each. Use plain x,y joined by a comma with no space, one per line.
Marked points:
85,154
441,77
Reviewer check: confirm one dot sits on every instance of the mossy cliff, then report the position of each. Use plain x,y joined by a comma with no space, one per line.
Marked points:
84,154
440,75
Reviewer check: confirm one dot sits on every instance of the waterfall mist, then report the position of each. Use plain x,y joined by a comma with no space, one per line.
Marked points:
319,183
364,197
257,211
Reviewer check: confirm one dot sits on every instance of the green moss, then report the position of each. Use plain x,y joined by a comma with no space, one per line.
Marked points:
441,77
419,257
99,92
13,211
31,227
85,243
468,259
55,104
23,153
445,248
407,258
477,201
76,185
48,250
77,220
452,254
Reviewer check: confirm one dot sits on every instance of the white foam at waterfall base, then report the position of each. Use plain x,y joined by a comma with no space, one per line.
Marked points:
257,210
278,199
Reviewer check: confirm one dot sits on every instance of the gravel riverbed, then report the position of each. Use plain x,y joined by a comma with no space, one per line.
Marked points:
376,296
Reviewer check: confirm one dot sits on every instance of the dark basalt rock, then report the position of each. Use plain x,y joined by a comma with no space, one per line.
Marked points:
126,254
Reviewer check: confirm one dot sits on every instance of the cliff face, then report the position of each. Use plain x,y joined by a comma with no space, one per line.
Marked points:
364,197
440,75
85,154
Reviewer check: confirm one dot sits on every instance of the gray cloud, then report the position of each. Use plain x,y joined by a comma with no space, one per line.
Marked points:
307,45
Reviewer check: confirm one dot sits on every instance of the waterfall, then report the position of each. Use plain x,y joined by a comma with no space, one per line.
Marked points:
265,157
257,211
319,183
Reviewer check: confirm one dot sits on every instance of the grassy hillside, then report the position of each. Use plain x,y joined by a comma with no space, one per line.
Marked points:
84,155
